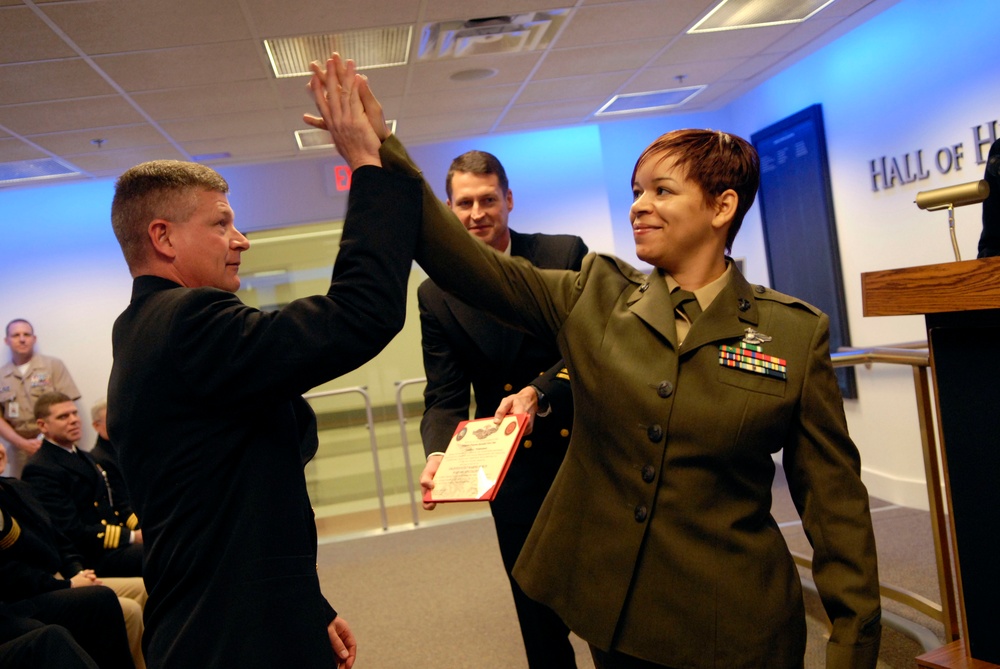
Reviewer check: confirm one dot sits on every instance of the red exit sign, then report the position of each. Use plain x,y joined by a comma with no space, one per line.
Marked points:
342,177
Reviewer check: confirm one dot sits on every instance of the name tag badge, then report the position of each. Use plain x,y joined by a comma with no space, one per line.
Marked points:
13,410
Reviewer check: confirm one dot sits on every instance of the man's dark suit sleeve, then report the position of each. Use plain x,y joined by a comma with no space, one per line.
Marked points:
554,383
446,395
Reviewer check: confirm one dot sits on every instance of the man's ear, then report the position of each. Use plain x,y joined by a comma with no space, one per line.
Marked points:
725,208
510,200
159,236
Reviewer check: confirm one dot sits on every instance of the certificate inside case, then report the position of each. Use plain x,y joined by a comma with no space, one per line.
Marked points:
477,459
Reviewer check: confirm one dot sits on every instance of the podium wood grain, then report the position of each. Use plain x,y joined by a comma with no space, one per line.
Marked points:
930,289
952,656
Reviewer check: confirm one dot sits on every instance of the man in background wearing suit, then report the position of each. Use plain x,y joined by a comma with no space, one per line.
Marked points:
208,416
465,346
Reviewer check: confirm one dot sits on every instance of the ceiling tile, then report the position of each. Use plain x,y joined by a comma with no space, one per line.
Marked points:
185,66
34,119
434,76
116,26
62,79
113,163
273,19
587,60
27,38
222,125
573,88
177,103
732,43
444,102
82,141
15,149
269,145
645,19
441,125
568,112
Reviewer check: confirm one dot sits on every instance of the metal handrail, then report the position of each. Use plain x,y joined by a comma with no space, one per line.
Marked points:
363,391
400,385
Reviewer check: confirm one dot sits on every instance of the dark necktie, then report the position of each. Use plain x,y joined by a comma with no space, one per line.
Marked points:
685,302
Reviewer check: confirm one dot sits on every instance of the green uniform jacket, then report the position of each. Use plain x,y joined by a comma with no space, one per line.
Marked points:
656,538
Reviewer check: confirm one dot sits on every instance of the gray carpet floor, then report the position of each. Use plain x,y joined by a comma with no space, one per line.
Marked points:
436,596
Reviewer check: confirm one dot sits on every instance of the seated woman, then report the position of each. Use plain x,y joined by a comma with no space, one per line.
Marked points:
656,544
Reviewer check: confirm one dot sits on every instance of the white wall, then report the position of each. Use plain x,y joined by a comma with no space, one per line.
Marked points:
915,77
918,76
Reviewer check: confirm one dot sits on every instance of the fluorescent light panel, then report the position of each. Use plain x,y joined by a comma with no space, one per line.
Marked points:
377,47
314,138
21,171
633,103
740,14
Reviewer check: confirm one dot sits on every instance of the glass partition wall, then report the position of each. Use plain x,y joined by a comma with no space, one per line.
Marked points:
344,483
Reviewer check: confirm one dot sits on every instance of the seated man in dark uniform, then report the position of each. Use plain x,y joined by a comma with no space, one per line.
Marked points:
105,454
37,609
78,494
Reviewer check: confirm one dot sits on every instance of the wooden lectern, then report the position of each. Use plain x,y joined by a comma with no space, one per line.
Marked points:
961,305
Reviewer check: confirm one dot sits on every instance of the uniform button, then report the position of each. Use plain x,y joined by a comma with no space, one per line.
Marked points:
654,432
527,443
643,287
760,289
648,473
564,432
508,387
640,513
665,389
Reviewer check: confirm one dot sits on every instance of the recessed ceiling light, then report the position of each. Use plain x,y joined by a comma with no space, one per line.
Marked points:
21,171
377,47
632,103
475,74
739,14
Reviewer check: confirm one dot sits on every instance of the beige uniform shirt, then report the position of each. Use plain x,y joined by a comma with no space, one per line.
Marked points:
18,391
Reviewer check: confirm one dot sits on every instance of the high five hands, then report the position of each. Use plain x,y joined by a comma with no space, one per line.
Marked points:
348,110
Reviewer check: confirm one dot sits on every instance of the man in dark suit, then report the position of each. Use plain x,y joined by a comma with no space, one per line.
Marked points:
465,346
78,494
208,417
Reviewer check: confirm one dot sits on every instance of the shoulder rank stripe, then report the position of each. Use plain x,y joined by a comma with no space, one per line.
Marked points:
12,535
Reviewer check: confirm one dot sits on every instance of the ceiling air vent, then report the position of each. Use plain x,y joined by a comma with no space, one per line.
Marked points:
516,33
